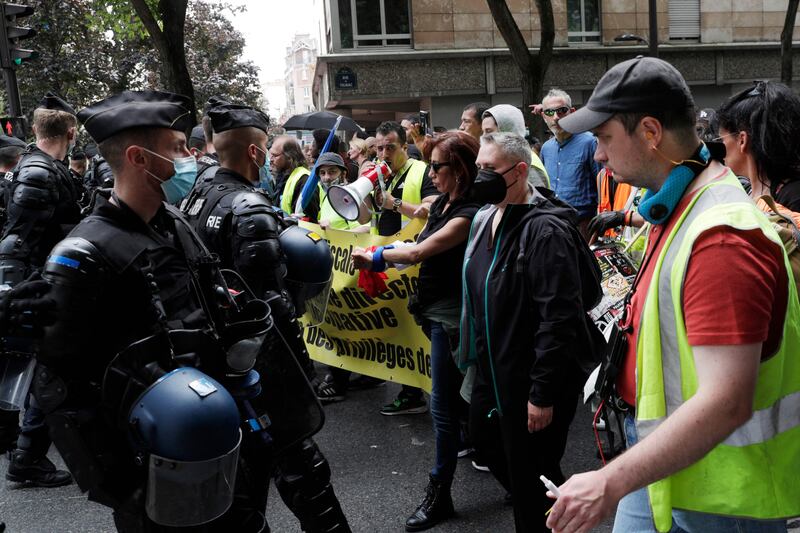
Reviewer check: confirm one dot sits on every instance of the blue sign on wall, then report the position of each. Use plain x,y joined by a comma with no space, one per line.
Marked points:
346,79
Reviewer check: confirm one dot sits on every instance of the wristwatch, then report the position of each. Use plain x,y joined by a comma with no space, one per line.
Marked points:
396,203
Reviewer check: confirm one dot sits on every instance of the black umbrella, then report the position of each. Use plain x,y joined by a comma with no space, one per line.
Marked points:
320,119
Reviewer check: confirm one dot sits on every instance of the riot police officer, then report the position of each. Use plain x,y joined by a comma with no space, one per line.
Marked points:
42,204
138,299
238,223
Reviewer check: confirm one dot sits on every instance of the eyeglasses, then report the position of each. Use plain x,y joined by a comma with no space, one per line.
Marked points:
437,166
719,139
559,110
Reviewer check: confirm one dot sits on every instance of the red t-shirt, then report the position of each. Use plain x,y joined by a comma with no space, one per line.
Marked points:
735,292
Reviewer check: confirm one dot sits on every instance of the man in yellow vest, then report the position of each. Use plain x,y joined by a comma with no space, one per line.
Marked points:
287,164
711,373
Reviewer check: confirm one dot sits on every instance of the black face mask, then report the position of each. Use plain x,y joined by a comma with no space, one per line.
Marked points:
490,186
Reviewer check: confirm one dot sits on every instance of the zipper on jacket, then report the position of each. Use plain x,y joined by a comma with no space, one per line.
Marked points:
486,309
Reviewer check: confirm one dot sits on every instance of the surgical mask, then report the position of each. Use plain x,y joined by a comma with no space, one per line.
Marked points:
490,186
265,181
177,186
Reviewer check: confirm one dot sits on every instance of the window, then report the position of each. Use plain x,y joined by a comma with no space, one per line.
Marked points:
684,20
306,92
305,74
366,23
306,57
583,21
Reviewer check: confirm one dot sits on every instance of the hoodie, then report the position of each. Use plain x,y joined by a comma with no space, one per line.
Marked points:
524,319
509,119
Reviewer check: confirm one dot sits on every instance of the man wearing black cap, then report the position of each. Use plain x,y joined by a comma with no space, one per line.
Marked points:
129,274
238,223
707,393
42,201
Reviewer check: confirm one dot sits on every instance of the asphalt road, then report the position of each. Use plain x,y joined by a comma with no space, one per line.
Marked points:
380,469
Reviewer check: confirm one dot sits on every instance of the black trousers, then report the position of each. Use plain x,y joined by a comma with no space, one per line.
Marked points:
514,456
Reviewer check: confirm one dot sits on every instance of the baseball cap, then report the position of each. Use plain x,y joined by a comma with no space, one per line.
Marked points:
331,158
639,85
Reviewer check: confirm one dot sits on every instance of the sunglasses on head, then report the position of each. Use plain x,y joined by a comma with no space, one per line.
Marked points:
437,166
559,110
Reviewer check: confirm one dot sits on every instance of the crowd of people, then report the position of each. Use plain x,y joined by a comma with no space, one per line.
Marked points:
159,282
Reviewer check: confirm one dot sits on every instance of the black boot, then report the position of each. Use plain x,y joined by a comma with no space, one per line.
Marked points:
41,472
436,507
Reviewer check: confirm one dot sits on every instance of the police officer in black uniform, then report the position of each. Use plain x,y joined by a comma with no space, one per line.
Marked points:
238,223
138,295
42,207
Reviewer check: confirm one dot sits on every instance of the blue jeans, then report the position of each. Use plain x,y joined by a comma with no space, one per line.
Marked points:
445,397
634,515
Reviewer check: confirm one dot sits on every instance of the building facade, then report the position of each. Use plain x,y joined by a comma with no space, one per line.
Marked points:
301,58
385,58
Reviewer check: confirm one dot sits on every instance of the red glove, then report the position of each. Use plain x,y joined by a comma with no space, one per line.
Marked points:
372,282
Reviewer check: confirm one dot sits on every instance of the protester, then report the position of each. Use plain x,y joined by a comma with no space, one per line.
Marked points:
437,304
507,118
699,382
529,280
412,125
288,165
569,159
760,128
358,154
332,171
471,118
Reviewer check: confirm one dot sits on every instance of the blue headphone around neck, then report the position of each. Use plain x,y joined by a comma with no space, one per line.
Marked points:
657,207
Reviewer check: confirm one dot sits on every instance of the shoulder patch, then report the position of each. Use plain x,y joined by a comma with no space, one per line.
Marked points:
196,207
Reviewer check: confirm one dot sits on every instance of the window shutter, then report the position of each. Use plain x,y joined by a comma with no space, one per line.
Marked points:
684,19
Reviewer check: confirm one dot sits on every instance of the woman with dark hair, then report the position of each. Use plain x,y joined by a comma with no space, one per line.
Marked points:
760,128
437,303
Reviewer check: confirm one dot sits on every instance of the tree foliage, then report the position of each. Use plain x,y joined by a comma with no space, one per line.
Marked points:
91,49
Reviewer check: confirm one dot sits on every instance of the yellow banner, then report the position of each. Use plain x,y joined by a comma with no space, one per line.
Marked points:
373,336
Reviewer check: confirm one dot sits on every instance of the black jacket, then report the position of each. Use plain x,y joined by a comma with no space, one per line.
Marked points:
527,328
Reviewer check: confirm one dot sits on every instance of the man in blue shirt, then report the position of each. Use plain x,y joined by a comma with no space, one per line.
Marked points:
569,159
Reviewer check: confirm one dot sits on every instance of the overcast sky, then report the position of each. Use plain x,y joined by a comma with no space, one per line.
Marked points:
268,28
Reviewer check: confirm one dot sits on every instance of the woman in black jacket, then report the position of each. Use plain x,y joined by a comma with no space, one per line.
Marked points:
529,279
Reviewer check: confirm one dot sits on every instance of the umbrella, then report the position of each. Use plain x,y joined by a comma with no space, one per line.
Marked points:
320,119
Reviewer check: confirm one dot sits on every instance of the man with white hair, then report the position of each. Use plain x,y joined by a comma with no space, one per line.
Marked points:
569,159
529,279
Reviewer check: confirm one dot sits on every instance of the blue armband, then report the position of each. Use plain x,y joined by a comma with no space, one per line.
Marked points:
378,263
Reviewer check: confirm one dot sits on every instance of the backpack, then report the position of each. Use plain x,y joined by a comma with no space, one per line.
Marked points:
784,223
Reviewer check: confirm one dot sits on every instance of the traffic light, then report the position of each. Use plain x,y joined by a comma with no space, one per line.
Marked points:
14,127
11,55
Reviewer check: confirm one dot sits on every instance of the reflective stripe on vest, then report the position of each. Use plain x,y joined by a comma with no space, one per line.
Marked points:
288,189
753,472
412,187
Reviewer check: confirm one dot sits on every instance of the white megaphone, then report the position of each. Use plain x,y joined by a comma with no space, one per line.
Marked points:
348,200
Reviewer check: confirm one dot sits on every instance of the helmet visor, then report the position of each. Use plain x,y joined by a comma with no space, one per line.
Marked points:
190,493
315,299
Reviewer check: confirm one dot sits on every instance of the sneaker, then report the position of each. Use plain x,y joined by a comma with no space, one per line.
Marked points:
37,472
365,382
405,406
328,392
480,467
465,452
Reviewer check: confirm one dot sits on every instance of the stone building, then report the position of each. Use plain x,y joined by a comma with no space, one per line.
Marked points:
301,57
382,59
